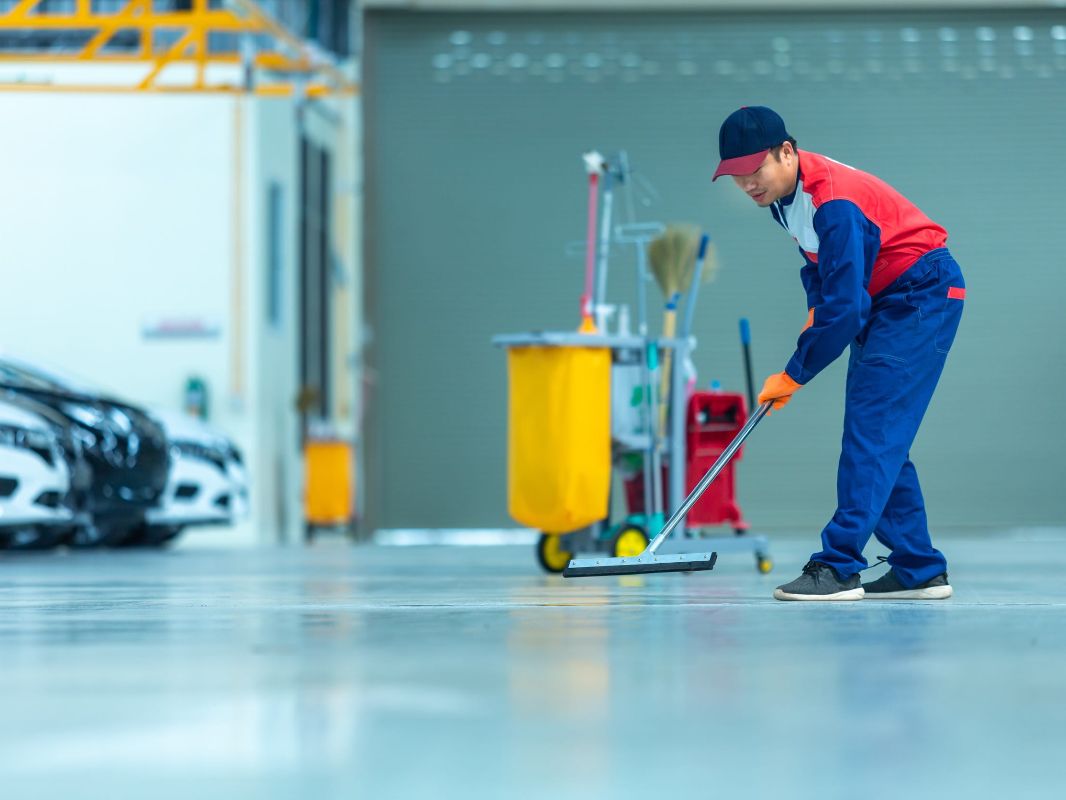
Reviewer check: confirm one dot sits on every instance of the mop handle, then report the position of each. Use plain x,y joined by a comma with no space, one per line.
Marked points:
712,473
600,297
745,343
590,244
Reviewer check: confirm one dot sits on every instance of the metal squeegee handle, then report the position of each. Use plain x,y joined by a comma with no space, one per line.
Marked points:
712,473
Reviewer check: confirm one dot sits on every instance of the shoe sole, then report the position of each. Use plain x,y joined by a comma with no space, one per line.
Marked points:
848,594
929,593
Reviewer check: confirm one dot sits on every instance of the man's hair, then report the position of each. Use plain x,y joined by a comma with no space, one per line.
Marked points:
776,150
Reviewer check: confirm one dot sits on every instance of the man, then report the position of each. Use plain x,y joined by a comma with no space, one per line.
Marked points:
878,278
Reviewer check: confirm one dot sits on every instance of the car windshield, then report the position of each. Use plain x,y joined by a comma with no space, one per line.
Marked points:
28,376
17,377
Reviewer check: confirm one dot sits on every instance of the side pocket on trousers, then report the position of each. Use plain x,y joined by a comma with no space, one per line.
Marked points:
876,386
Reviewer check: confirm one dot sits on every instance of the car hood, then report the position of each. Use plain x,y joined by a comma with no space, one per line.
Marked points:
181,427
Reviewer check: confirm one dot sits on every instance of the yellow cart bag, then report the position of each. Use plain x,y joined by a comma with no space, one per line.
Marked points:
559,436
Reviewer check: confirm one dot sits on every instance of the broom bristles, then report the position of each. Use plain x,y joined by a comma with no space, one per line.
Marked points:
673,258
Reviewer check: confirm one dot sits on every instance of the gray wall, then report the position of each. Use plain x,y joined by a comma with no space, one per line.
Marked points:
475,184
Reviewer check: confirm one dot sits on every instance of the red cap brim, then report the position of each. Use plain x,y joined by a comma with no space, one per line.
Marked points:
744,165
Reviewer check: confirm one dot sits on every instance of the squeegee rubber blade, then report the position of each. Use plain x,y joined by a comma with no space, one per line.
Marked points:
632,566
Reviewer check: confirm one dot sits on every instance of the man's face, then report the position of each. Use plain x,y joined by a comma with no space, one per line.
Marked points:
773,180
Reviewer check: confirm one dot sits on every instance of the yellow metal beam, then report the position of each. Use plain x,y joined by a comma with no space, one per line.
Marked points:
288,55
223,21
275,28
177,49
135,14
22,7
262,90
113,58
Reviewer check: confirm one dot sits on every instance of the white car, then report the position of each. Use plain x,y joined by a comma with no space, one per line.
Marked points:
207,485
35,506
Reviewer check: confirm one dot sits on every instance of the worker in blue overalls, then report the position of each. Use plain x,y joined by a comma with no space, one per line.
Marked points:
878,278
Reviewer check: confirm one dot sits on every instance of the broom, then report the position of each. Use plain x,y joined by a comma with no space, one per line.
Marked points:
673,256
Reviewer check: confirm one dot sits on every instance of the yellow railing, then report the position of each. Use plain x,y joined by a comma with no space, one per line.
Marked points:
286,64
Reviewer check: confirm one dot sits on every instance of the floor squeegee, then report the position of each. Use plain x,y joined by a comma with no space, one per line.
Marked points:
649,561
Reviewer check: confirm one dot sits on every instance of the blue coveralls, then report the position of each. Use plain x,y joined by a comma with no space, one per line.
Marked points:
905,333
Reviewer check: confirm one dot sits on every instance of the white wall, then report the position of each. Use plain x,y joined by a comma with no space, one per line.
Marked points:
273,131
335,125
273,145
117,209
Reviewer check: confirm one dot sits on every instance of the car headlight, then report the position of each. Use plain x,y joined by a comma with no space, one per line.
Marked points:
9,436
86,415
40,442
84,438
199,452
120,420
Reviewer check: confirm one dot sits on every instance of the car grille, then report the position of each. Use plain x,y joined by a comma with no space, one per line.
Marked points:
48,500
187,491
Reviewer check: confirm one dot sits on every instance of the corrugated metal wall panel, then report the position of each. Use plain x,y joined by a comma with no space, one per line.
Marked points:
475,126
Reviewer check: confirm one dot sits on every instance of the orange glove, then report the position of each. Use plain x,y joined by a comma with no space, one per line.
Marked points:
778,388
810,319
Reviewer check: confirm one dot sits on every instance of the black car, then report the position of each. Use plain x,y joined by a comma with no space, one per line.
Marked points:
125,450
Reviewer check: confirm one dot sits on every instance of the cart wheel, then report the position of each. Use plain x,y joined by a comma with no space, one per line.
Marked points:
630,541
551,554
763,563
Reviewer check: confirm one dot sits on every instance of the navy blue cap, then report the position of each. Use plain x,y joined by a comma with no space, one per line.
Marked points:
745,138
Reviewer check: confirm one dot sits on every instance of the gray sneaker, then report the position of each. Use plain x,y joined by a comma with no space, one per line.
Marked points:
888,587
820,582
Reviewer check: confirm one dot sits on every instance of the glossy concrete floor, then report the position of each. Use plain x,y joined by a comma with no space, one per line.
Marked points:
465,673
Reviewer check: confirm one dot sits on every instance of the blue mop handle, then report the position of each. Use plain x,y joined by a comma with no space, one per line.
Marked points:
745,342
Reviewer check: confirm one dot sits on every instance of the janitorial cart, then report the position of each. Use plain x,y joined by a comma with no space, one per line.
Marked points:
591,405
